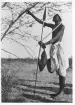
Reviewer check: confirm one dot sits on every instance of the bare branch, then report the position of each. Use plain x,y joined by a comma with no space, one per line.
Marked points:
10,53
4,4
24,46
13,22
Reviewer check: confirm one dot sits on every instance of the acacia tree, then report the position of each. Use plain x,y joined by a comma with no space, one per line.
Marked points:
16,26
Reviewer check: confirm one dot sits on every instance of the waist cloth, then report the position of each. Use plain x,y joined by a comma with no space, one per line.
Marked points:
56,51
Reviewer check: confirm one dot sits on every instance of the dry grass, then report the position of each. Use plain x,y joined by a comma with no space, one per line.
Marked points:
18,80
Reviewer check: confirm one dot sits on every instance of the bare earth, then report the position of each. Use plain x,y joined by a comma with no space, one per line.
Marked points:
22,89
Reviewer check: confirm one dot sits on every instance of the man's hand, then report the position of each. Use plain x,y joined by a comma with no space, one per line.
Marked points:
42,44
28,12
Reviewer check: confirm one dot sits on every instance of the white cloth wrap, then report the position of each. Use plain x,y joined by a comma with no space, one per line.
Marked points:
56,51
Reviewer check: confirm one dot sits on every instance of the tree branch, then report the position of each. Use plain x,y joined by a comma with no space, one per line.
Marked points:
4,4
13,22
24,46
10,53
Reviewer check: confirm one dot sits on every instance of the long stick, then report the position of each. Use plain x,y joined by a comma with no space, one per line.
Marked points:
38,59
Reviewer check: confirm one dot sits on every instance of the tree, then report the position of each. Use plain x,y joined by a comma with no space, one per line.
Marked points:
17,25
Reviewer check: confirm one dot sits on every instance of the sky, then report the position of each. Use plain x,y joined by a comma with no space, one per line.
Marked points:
36,30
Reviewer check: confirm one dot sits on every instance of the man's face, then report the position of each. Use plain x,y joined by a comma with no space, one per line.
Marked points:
56,18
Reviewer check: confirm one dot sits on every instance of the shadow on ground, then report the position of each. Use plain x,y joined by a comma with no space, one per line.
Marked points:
40,99
27,94
55,88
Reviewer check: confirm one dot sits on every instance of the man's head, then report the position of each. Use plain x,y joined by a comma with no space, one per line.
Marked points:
57,18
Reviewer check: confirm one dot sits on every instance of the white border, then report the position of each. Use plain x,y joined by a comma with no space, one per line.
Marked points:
34,0
73,44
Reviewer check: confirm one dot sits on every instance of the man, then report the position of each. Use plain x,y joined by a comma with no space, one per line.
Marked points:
56,49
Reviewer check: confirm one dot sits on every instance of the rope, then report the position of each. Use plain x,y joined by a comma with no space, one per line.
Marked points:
51,31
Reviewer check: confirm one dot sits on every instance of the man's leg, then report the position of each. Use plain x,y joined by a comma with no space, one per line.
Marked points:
61,83
60,57
61,88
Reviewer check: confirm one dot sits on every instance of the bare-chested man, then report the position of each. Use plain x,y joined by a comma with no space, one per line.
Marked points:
56,49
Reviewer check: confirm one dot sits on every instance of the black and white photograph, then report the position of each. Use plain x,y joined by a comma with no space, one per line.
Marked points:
36,51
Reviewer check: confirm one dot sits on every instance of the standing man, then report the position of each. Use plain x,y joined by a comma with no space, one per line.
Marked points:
56,50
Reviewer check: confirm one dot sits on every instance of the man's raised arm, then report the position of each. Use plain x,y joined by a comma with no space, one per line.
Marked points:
40,21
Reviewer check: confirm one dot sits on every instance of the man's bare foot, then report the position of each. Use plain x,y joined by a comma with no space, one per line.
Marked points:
57,96
53,95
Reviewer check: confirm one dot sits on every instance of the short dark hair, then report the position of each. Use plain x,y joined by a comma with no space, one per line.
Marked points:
56,15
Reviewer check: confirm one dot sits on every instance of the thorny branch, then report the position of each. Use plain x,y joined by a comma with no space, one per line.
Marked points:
24,46
13,22
51,5
4,4
10,53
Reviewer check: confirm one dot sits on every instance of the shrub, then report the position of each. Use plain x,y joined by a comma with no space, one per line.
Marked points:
8,80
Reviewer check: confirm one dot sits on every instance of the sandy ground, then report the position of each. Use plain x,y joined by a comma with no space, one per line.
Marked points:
46,84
